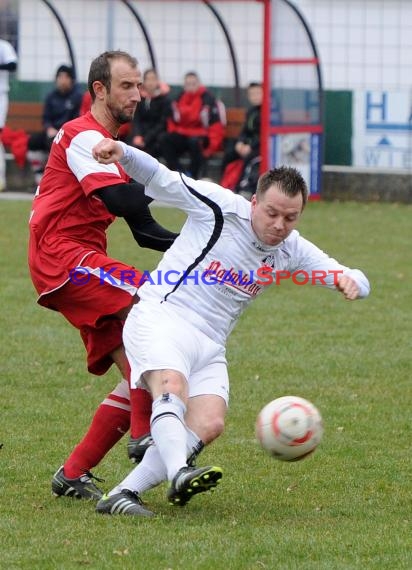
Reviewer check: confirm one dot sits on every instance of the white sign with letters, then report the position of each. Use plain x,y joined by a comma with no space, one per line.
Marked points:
382,129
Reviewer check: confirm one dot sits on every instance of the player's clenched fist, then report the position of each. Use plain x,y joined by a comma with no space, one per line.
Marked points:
107,151
348,287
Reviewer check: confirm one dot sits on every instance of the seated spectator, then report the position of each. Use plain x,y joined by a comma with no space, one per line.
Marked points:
196,127
61,105
241,161
152,113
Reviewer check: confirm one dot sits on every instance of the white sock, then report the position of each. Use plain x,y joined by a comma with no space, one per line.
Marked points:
149,473
169,432
152,470
194,445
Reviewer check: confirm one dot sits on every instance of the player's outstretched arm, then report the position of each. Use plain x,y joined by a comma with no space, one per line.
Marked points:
325,271
160,182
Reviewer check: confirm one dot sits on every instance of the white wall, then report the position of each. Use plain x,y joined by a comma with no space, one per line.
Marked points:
363,44
185,36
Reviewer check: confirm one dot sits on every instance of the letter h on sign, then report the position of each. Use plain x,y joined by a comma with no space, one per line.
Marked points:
376,110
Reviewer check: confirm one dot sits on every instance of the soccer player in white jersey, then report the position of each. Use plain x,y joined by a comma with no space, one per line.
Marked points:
8,62
227,253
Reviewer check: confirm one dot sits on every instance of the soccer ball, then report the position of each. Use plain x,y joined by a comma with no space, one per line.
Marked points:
289,428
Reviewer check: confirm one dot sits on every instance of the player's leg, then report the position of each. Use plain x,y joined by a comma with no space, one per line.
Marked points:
110,422
162,349
84,306
205,414
169,392
205,418
141,404
125,497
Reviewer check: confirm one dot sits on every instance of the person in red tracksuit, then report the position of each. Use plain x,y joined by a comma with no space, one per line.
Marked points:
196,127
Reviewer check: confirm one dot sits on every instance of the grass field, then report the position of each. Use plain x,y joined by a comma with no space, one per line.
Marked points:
346,507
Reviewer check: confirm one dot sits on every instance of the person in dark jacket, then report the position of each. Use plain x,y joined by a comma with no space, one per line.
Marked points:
150,119
196,126
244,153
61,105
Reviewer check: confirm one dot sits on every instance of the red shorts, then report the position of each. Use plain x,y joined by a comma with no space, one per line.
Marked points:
98,290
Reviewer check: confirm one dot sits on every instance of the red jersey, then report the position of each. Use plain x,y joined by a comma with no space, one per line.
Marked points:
68,221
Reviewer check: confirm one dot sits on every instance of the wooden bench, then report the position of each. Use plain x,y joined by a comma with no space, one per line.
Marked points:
235,118
26,116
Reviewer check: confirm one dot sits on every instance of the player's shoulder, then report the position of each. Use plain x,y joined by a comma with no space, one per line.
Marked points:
82,123
4,44
294,242
84,128
299,246
226,200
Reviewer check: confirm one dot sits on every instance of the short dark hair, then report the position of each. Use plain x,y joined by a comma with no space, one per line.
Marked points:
254,84
100,69
68,69
192,74
289,181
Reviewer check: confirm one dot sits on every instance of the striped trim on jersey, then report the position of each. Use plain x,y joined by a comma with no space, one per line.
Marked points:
216,233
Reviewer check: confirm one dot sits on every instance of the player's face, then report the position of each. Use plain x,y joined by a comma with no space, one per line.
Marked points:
275,215
124,94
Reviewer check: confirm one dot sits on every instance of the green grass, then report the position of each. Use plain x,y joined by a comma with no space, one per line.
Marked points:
348,506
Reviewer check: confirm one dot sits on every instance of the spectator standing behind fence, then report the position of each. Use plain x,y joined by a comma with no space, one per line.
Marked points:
8,62
150,120
196,126
61,105
240,166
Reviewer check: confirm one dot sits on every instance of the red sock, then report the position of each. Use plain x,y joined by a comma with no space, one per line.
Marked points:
141,404
108,426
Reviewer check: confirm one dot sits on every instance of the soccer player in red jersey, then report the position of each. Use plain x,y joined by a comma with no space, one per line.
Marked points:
75,203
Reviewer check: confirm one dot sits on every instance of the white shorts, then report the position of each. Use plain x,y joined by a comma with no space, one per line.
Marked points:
157,337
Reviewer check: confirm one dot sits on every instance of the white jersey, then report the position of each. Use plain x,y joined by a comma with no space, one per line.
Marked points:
217,265
7,55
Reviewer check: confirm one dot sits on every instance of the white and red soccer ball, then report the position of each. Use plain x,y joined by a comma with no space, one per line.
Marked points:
289,428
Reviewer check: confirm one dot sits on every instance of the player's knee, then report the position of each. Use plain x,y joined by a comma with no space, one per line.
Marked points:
212,429
174,384
166,382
